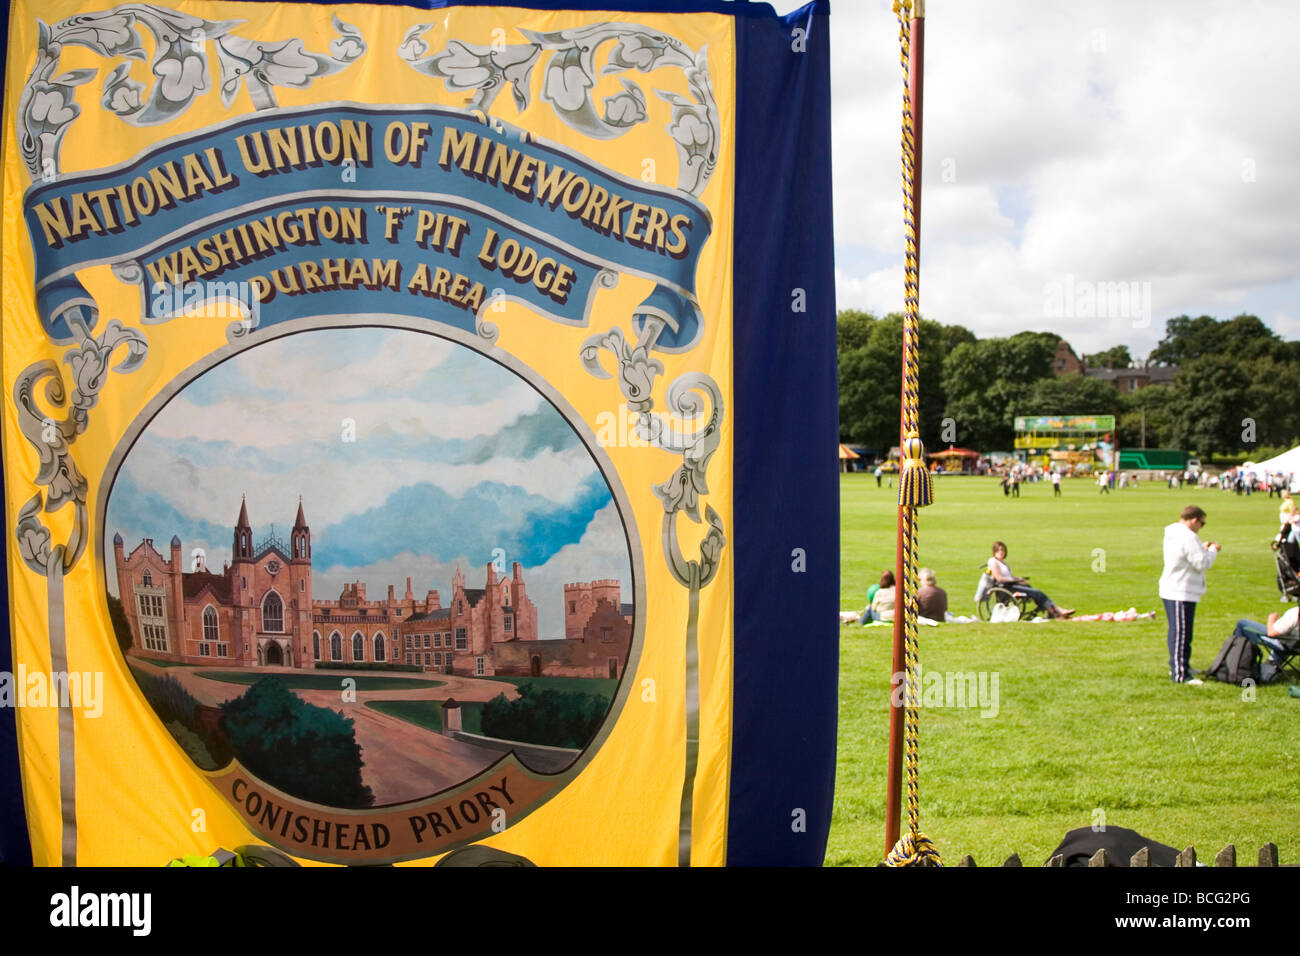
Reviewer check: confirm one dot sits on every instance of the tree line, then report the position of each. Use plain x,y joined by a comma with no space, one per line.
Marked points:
1235,391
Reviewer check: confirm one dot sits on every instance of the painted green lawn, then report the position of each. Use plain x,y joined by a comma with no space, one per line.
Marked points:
323,681
1088,721
600,686
428,713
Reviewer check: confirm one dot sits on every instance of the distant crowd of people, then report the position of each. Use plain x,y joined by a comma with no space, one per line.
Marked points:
1247,481
1182,581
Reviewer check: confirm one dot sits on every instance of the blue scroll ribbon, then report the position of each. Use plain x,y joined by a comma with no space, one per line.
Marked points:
594,250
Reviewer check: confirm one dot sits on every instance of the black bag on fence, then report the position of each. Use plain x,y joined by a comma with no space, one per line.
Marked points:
1120,843
1238,662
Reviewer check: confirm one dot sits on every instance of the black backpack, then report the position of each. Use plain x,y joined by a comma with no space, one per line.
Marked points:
1120,844
1238,662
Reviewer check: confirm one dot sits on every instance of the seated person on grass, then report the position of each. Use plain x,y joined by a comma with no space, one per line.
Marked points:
880,600
931,600
1002,574
1283,630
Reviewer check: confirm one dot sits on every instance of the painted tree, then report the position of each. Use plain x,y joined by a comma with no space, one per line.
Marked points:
308,751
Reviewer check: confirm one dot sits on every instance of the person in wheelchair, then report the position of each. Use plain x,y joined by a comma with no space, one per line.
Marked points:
1001,574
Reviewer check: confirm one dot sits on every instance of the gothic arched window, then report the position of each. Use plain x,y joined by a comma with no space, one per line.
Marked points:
315,645
358,647
273,613
379,646
336,646
211,630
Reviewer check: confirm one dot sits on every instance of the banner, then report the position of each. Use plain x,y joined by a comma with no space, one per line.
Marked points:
1076,423
419,433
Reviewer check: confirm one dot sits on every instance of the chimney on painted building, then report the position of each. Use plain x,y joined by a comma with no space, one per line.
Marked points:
517,594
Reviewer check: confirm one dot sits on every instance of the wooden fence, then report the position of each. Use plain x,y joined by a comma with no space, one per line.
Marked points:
1225,857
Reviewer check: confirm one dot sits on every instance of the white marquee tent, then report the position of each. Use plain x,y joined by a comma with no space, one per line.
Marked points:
1288,463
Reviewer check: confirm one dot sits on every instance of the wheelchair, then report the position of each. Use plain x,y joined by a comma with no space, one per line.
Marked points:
989,594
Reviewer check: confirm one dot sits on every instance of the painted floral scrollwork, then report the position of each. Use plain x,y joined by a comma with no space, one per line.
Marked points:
682,492
569,81
696,441
264,66
46,110
686,403
180,67
486,70
636,368
52,436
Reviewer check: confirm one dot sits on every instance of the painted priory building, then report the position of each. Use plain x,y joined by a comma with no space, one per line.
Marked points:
260,612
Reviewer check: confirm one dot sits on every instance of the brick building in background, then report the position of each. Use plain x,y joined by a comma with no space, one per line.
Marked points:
1130,378
260,611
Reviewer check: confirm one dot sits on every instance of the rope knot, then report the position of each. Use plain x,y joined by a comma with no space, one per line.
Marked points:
915,486
914,849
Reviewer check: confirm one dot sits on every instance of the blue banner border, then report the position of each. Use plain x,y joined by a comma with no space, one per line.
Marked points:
787,378
786,430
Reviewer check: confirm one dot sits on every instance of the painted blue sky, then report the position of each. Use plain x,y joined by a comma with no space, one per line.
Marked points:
412,454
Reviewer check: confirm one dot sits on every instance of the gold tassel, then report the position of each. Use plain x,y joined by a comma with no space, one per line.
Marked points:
915,488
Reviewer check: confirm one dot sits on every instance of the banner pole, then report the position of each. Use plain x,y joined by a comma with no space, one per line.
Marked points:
894,784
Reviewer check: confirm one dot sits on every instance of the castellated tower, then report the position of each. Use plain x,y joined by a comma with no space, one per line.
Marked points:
606,590
578,605
580,600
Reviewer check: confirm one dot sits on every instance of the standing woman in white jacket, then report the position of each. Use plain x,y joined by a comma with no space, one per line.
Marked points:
1183,584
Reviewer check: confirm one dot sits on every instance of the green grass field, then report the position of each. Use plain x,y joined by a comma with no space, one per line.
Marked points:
324,681
1088,728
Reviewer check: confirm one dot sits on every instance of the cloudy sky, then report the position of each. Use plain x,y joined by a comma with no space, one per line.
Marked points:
453,457
1070,143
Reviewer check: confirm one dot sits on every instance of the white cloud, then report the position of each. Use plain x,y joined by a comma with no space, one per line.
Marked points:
1110,142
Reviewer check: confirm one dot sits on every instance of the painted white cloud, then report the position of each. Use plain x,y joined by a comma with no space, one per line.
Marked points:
265,424
601,553
334,488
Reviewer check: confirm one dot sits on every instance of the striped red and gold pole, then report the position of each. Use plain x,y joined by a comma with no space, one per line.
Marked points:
914,484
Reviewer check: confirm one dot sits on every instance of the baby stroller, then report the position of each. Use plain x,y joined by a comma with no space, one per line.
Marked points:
1286,552
995,601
